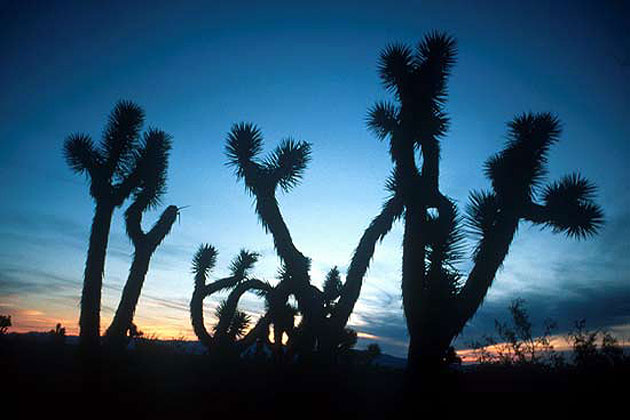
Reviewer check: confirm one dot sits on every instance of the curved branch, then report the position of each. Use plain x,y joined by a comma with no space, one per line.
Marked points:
232,302
376,231
200,292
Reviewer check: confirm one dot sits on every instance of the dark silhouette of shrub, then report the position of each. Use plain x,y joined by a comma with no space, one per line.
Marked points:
58,334
517,344
588,355
5,323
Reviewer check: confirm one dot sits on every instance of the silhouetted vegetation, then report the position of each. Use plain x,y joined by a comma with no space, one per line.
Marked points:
438,299
229,332
517,344
5,323
518,360
324,313
115,169
596,349
154,150
58,334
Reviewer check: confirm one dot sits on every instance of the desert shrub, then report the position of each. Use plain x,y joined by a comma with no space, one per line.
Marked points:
517,345
5,323
595,348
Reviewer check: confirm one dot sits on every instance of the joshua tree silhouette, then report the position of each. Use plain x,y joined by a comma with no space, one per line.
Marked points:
231,323
154,150
323,324
114,169
437,300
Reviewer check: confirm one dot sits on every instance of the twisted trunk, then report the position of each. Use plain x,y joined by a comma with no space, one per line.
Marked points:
378,228
260,331
231,304
117,331
145,245
196,316
296,263
489,258
89,319
200,292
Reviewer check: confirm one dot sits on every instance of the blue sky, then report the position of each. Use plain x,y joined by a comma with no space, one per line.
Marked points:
308,71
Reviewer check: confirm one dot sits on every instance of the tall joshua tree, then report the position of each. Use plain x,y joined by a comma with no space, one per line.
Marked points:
238,282
437,299
114,170
154,150
283,169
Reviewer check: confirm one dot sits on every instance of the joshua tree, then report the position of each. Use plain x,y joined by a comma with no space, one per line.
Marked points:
154,150
283,168
231,323
437,300
114,170
322,325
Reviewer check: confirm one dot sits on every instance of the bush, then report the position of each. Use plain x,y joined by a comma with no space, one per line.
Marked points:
5,323
517,345
586,352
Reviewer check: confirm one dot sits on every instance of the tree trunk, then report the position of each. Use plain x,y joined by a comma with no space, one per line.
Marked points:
196,316
89,321
117,331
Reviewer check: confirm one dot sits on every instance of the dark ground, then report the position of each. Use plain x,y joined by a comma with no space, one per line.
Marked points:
155,380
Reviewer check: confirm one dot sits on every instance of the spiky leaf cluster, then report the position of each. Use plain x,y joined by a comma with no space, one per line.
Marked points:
418,80
445,239
204,260
81,154
445,249
239,323
114,157
243,262
152,156
518,170
284,166
123,162
570,206
120,138
332,285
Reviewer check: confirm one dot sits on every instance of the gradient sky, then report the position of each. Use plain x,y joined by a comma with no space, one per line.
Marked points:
309,71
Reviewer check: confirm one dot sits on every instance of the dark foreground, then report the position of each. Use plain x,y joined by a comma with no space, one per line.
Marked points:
155,380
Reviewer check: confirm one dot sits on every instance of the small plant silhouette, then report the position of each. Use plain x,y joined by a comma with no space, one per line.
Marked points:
5,323
58,334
